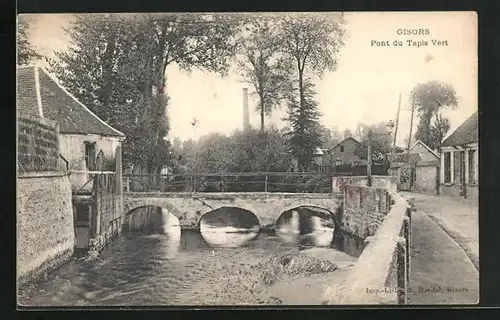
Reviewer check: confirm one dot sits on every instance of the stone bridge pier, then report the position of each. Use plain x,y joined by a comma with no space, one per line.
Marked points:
190,208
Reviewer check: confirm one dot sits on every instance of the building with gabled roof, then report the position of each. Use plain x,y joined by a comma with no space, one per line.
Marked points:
85,141
459,174
426,154
343,153
40,94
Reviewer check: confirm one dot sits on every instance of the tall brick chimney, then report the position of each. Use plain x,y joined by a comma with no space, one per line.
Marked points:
246,121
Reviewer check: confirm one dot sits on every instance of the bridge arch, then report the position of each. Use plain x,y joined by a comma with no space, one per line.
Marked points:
229,206
335,217
132,205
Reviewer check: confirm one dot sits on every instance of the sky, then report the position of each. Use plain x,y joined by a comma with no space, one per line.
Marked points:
364,88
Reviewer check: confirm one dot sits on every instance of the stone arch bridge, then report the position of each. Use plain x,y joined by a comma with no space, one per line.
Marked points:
189,208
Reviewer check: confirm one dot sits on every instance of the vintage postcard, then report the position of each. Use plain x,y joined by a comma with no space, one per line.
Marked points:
199,159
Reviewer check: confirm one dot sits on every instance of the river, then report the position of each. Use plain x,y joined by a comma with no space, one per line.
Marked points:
219,267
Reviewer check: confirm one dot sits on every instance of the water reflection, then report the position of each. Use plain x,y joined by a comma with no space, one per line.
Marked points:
229,227
171,230
306,227
144,268
228,237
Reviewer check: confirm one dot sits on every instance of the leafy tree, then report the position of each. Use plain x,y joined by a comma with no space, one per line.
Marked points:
117,63
26,52
381,141
262,66
249,151
430,99
263,151
439,129
311,43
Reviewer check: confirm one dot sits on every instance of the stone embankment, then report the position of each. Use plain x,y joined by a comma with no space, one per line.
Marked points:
45,229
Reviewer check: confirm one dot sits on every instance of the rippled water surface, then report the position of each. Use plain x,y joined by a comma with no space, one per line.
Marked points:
163,269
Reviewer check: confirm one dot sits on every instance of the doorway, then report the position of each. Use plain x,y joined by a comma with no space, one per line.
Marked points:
82,212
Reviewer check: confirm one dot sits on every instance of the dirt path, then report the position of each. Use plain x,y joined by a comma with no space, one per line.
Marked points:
441,272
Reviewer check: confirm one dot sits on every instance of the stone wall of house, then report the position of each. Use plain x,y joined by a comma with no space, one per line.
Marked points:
426,178
45,226
37,143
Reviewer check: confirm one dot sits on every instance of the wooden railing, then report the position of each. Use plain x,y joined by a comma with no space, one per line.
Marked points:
83,181
231,182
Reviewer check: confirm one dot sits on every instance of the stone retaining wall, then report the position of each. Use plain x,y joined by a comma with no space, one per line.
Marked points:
381,274
384,182
364,210
45,226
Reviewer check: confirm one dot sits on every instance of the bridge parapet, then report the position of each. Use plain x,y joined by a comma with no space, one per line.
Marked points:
296,182
381,274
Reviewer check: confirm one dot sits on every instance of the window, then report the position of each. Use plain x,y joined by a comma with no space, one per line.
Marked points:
472,166
447,167
341,148
90,155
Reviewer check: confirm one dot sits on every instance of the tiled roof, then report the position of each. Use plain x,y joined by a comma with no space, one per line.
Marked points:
26,93
58,104
466,133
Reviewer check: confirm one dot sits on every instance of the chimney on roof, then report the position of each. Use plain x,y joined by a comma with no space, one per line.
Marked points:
246,116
